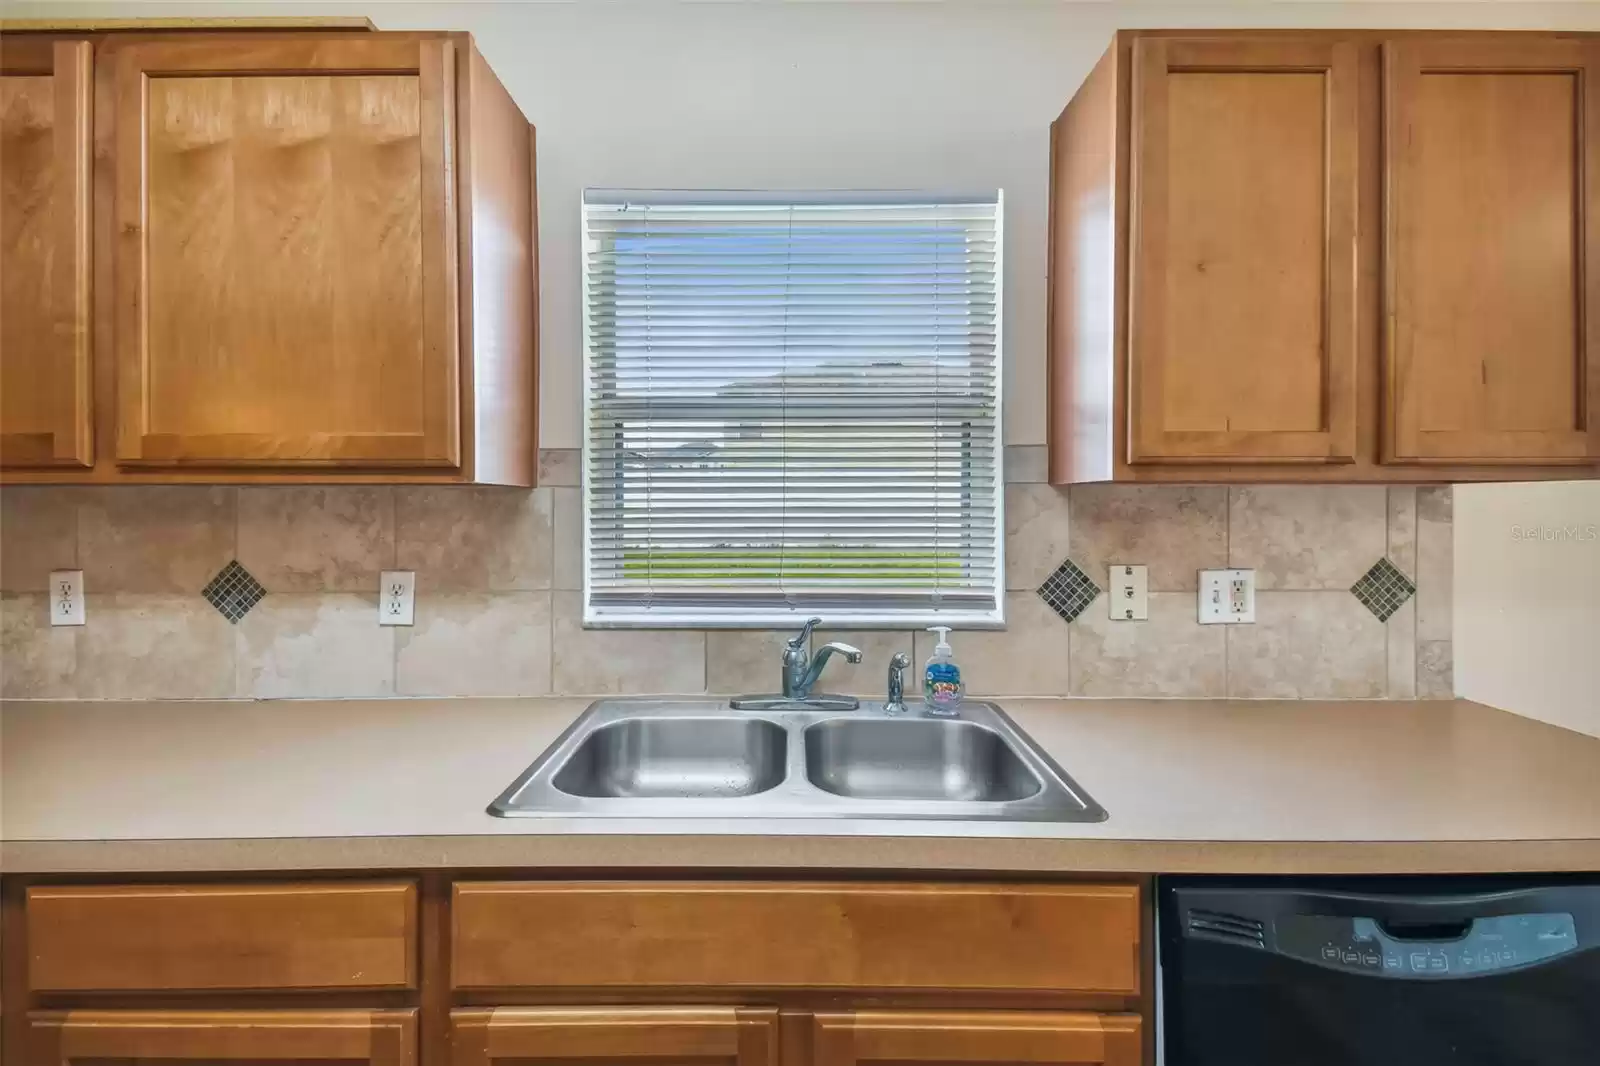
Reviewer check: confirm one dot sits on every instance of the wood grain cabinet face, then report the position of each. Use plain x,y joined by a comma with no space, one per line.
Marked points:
948,1038
1242,303
615,1036
44,241
286,253
259,1038
1493,242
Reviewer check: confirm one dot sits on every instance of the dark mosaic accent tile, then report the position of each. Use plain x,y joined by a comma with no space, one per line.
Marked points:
1069,590
233,592
1383,590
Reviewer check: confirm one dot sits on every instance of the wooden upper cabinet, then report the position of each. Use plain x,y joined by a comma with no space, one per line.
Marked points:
1242,328
615,1036
256,1038
1493,216
286,252
45,146
968,1038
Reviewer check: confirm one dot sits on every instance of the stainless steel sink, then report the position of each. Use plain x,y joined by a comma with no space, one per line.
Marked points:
655,757
699,759
916,759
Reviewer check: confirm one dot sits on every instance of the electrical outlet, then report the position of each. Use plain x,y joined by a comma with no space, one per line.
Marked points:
1130,592
1227,596
397,603
66,598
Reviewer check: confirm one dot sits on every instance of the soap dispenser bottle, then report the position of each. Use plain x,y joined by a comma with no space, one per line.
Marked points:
941,678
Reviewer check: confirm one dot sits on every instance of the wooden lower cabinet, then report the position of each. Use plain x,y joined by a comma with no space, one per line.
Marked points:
946,1038
260,1038
611,1036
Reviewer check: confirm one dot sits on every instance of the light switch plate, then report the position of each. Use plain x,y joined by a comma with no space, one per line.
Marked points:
1130,592
397,600
1227,596
66,598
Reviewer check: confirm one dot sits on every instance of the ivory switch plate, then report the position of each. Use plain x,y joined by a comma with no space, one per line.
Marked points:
1130,592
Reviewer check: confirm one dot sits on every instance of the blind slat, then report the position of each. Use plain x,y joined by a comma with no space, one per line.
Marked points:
791,408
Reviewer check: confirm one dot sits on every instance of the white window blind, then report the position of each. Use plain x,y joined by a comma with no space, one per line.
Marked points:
792,408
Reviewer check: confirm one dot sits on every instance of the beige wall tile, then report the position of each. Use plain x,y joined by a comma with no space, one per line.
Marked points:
155,539
317,538
594,662
1308,536
567,564
1028,658
749,661
465,539
37,660
145,646
1435,564
1436,670
1402,642
1026,464
1171,654
1175,530
38,534
476,644
1037,534
1403,528
1308,645
315,646
560,466
745,661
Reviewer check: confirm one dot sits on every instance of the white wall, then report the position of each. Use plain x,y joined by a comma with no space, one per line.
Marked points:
663,94
1527,599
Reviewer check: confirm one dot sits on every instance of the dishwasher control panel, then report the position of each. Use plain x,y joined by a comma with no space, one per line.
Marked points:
1487,945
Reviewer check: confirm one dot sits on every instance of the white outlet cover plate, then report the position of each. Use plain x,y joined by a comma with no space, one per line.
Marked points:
397,598
1227,597
1130,592
66,598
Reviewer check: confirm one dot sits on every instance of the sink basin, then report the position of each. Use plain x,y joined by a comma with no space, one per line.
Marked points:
654,757
685,759
915,759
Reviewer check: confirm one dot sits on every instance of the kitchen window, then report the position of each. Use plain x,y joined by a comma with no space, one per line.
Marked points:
792,408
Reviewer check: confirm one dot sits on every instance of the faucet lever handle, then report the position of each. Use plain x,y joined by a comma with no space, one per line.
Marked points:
803,638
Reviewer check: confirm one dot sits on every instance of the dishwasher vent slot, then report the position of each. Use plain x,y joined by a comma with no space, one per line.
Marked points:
1229,927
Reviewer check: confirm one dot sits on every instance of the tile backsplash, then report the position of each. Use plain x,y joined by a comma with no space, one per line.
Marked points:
499,608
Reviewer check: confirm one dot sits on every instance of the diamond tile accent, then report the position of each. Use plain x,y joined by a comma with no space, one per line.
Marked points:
1384,589
233,591
1069,590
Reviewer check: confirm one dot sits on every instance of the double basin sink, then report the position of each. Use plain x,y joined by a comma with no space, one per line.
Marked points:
655,759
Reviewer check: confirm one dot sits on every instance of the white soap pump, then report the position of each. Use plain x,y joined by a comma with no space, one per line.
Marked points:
941,678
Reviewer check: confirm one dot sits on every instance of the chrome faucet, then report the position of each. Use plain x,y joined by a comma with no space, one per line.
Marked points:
895,701
801,668
800,672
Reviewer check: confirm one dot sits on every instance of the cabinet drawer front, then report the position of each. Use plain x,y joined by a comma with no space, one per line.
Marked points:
201,937
1038,1038
380,1038
979,938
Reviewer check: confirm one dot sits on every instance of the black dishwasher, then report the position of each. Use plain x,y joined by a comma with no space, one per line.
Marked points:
1380,972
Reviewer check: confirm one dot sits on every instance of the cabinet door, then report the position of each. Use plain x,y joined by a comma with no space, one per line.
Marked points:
286,256
1493,218
1242,303
615,1036
1012,1038
44,241
260,1038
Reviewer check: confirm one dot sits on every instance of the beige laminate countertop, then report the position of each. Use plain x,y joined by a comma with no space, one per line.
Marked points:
1192,786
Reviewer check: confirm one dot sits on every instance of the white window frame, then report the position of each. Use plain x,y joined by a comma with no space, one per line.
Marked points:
655,618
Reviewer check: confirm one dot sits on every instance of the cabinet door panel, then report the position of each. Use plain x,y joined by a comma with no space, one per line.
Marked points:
1242,307
1493,250
286,266
244,1038
613,1036
1012,1038
44,240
